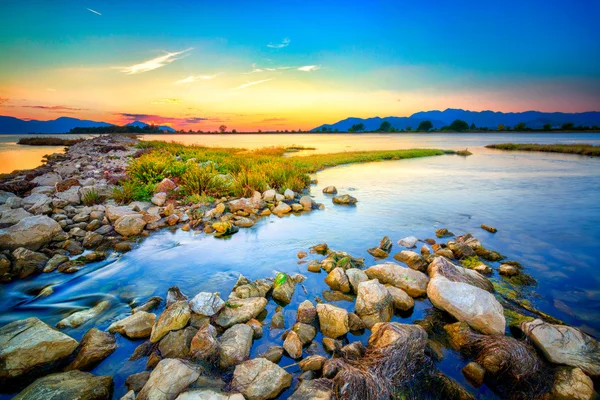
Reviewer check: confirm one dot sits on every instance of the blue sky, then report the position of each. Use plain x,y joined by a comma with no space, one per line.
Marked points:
359,59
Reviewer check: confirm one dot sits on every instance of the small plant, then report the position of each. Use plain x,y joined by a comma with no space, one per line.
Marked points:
132,191
91,197
204,180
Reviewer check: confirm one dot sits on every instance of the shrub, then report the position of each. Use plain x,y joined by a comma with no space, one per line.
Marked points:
91,197
204,180
133,191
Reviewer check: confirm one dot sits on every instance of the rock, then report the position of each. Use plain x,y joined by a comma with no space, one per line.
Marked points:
344,199
337,280
412,282
29,345
281,209
260,379
31,233
69,385
355,323
384,334
176,344
306,202
283,288
136,326
413,260
169,378
373,303
564,345
14,216
297,207
333,321
269,195
130,225
488,255
572,384
409,242
425,250
355,277
48,179
377,252
113,213
244,222
165,186
204,344
508,270
460,250
33,199
331,345
92,240
273,354
306,312
175,317
159,199
441,266
489,228
27,262
289,194
330,190
137,381
306,333
174,294
67,184
14,202
95,346
4,196
81,317
312,363
235,345
224,228
240,310
400,299
208,394
277,321
206,303
318,389
258,288
257,328
293,345
467,303
474,372
70,196
443,232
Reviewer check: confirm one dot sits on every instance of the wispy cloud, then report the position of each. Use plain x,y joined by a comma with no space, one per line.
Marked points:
256,69
161,120
3,101
194,78
154,63
94,11
167,101
57,108
285,42
273,120
309,68
248,84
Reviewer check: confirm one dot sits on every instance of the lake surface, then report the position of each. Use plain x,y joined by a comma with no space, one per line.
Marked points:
546,208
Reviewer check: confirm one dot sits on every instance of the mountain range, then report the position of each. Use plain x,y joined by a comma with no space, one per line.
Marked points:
490,119
59,125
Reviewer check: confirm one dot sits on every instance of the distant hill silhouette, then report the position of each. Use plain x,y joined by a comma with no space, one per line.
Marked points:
59,125
490,119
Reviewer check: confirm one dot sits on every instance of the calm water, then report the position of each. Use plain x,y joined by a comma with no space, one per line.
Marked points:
545,207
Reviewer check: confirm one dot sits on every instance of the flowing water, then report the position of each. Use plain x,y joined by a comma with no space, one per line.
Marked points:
546,208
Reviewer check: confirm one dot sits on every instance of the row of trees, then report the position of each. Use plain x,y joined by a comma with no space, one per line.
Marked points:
118,129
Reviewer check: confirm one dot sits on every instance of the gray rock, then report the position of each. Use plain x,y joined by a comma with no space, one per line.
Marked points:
240,310
5,196
283,288
208,394
412,282
13,216
408,242
235,345
168,379
356,276
31,233
260,379
373,303
159,199
206,303
344,199
48,179
69,385
113,213
175,317
14,202
130,225
319,389
27,262
71,196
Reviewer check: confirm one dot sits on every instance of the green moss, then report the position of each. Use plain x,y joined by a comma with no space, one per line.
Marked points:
504,290
489,255
521,279
280,279
229,305
514,318
470,262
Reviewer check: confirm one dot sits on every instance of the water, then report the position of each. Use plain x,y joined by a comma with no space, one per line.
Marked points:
545,207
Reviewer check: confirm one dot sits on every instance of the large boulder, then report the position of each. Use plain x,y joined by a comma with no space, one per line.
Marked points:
27,262
260,379
176,344
345,199
412,259
168,379
337,280
69,385
136,326
95,346
175,317
240,310
564,345
47,179
130,225
373,303
204,344
13,216
572,384
208,394
355,277
442,266
29,345
113,213
31,233
235,343
475,306
333,320
281,209
412,282
207,304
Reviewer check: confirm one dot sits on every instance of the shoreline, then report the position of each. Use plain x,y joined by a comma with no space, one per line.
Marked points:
384,291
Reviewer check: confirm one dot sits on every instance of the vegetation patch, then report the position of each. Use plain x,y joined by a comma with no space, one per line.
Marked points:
48,141
470,262
583,149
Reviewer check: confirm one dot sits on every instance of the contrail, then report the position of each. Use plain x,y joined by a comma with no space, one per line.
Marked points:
95,12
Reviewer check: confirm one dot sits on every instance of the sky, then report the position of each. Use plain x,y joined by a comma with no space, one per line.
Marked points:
287,64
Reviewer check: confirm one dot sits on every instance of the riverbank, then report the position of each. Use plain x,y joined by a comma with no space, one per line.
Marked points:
581,149
324,262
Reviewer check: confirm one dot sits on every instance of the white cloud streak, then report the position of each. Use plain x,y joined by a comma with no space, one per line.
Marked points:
153,64
309,68
245,85
194,78
284,43
255,69
94,11
167,101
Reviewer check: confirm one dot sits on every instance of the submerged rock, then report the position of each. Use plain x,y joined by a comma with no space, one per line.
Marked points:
235,345
345,199
314,389
330,190
260,379
31,233
168,379
412,282
175,317
564,345
333,320
208,394
384,334
28,345
408,242
81,317
69,385
95,346
373,303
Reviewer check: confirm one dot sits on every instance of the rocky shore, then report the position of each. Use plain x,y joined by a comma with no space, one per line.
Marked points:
199,346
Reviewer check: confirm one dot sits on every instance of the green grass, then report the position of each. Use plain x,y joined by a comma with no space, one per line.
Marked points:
217,172
582,149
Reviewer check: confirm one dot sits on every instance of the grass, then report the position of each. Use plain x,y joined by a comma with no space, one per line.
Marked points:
90,198
217,172
48,141
583,149
296,148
